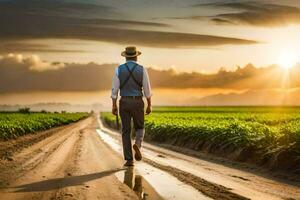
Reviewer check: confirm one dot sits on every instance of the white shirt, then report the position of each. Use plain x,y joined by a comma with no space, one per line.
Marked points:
116,84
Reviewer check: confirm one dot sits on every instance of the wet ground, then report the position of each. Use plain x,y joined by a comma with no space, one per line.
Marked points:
165,185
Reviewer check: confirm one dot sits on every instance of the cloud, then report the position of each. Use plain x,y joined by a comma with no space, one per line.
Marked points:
255,14
32,63
23,46
248,77
39,20
193,17
222,21
25,74
56,8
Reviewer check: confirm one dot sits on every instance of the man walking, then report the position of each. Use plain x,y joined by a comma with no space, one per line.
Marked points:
132,80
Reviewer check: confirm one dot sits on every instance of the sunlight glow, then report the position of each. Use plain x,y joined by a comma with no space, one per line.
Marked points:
287,59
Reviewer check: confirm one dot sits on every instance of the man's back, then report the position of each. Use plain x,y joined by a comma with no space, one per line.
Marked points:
130,75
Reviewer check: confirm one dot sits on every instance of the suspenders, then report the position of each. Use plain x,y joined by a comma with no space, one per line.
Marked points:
130,76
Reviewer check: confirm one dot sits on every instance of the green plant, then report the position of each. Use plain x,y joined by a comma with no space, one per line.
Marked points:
13,125
267,130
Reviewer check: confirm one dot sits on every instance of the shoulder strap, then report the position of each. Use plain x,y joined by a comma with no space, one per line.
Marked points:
130,76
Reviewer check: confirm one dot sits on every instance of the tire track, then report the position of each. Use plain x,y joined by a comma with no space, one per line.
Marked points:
70,164
209,189
47,160
29,159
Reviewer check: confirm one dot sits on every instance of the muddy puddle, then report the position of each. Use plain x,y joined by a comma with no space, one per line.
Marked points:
138,184
149,182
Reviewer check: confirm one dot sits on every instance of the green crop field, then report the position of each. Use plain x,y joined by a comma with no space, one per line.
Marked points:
265,131
13,125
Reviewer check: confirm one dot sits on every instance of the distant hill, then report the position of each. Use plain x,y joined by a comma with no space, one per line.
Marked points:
252,97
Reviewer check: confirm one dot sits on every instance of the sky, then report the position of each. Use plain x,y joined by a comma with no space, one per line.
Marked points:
46,45
192,31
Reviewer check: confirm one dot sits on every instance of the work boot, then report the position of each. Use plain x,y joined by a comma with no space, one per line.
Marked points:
129,163
137,155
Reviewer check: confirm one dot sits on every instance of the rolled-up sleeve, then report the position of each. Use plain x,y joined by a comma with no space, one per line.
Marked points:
115,85
146,84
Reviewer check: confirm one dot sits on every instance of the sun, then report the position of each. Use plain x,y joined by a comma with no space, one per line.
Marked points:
287,59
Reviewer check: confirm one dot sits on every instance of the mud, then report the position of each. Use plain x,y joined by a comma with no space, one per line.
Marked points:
207,188
10,147
138,184
73,163
166,185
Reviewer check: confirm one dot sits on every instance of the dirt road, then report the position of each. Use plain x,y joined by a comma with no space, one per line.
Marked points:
84,161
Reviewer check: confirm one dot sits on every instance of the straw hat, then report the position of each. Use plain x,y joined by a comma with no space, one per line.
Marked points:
130,52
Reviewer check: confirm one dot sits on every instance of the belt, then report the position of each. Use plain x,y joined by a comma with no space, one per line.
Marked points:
131,97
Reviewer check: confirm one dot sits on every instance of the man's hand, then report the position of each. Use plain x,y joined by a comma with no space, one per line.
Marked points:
114,110
148,110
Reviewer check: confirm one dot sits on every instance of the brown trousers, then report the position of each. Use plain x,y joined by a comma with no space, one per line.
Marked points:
131,109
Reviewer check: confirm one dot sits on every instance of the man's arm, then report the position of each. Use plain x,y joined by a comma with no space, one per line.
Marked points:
147,91
114,92
149,106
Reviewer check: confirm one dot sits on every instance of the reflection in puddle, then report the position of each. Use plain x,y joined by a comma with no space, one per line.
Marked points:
138,184
135,182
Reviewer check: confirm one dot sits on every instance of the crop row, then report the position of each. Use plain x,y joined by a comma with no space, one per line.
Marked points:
269,132
13,125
